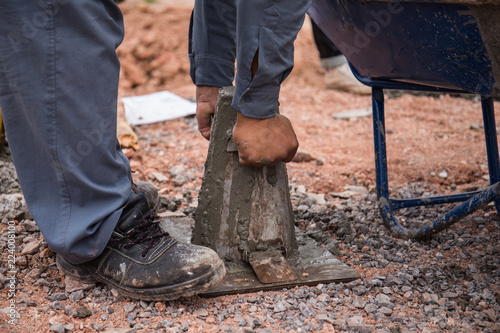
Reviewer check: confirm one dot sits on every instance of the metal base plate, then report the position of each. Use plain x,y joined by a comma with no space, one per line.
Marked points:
312,265
246,281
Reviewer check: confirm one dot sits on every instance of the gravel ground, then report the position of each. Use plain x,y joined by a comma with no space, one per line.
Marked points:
449,283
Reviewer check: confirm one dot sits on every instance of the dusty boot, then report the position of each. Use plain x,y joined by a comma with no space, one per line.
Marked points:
142,262
341,78
150,192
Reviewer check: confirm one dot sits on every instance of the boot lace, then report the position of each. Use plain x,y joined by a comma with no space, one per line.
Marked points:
147,230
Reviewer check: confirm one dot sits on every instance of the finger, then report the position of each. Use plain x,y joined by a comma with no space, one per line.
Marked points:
204,118
248,161
205,133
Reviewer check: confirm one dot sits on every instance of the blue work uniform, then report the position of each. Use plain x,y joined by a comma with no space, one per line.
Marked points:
222,30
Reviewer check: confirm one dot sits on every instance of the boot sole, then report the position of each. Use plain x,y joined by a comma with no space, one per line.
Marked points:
169,293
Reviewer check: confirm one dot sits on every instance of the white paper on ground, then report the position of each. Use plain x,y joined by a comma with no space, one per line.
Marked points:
356,113
156,107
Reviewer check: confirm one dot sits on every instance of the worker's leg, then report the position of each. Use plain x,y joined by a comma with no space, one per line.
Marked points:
338,75
58,94
329,54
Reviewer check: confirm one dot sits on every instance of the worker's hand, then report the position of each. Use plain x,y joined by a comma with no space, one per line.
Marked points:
264,142
206,99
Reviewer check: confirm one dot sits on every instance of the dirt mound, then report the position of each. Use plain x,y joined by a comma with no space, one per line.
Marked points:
154,53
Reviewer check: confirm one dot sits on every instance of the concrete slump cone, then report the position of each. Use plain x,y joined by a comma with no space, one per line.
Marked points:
245,215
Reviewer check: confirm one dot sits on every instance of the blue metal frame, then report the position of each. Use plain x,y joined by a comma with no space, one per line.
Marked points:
471,201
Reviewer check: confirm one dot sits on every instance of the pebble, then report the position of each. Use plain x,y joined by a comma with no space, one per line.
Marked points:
76,296
385,310
57,297
279,307
121,330
57,305
32,247
57,327
72,285
129,308
69,310
370,308
82,313
358,302
356,321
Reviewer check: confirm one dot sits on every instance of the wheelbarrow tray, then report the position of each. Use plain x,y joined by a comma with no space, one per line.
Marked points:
452,44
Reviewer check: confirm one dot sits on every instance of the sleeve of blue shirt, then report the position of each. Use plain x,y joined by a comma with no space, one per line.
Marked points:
223,30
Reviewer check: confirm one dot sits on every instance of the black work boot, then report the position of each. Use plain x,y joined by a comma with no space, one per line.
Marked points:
142,262
150,192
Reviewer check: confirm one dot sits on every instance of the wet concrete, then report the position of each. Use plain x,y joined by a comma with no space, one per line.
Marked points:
241,209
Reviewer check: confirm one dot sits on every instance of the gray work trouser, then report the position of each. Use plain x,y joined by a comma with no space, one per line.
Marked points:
58,94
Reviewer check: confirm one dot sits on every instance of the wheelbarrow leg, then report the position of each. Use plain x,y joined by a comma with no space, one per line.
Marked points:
490,133
381,164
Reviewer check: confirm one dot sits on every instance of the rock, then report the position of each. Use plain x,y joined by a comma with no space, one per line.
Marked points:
129,308
76,296
145,314
355,321
317,198
448,294
33,274
69,327
72,285
32,247
326,318
383,300
370,308
57,305
302,156
132,316
360,290
70,312
82,313
180,175
57,327
279,307
114,292
121,330
323,297
357,189
306,310
30,226
97,327
57,297
358,302
387,290
385,310
200,312
159,177
13,207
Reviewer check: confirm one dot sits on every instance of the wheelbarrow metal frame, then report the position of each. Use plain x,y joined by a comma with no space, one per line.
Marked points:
471,201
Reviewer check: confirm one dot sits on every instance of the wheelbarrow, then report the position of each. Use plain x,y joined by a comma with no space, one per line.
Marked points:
450,46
